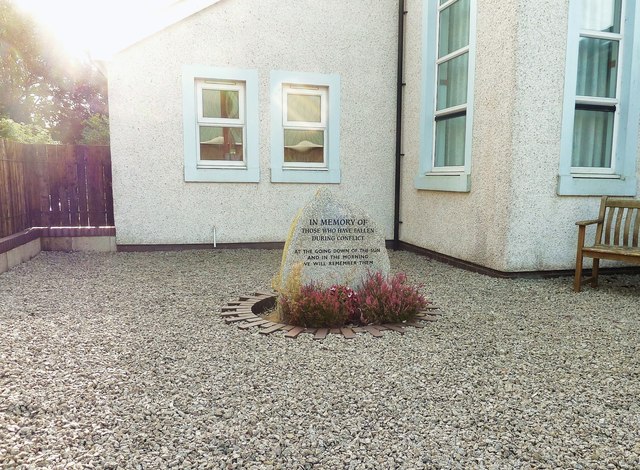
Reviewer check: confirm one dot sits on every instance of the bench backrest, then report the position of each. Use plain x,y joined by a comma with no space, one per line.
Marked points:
620,222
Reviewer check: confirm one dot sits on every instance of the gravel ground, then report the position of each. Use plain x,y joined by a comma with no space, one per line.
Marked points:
122,361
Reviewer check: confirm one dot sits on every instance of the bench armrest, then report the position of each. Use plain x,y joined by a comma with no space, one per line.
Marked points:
589,222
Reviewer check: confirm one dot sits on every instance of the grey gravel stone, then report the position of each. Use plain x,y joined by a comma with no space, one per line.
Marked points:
122,361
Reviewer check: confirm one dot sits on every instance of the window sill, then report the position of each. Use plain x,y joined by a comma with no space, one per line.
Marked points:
221,167
459,182
596,185
304,168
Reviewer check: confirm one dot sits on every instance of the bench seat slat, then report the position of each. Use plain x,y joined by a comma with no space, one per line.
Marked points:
636,229
616,233
607,228
627,226
613,252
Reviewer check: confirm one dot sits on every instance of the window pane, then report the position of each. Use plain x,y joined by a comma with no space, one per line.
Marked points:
223,104
597,68
450,141
303,146
304,108
601,15
221,143
592,139
452,82
454,28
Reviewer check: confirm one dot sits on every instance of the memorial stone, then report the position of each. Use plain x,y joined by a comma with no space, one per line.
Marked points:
334,242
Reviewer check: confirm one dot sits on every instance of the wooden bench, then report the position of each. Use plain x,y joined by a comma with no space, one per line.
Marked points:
616,237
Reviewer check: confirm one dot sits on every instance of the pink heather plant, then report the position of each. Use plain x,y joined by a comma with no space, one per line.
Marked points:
379,300
315,308
389,300
349,298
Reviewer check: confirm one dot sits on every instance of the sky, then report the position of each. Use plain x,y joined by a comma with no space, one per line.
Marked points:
97,28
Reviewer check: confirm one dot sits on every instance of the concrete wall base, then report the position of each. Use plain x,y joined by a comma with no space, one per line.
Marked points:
19,254
25,245
101,244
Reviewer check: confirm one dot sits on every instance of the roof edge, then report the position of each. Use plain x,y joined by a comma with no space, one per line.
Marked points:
162,19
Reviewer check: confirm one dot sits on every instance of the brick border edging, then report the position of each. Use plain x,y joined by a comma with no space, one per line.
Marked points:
245,313
18,239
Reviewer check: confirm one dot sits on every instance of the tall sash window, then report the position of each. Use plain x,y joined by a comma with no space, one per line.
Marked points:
601,101
446,114
597,85
452,72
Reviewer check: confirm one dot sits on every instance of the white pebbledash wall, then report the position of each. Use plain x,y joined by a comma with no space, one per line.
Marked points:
153,203
512,219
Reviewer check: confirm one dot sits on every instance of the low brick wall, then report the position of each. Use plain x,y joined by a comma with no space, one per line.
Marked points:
23,246
18,248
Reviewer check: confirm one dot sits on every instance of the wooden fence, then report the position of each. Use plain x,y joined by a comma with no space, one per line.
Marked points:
54,186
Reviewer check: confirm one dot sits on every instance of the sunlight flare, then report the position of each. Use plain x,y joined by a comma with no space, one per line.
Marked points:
96,28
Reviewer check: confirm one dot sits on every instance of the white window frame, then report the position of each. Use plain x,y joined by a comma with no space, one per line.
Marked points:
298,89
194,78
430,176
282,172
620,178
221,85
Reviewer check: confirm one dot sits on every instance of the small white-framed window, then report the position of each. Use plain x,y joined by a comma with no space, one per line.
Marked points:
447,95
305,127
304,117
220,123
600,118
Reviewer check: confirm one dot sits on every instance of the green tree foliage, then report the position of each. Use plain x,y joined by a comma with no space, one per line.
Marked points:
96,130
25,133
39,85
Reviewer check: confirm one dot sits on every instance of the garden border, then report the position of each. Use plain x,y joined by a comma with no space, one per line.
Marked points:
245,313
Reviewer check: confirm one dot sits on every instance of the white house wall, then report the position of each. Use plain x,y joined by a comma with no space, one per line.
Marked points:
512,219
470,226
542,233
153,203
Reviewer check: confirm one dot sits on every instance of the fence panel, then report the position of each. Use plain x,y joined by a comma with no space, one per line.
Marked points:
19,190
5,193
54,185
96,184
14,215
